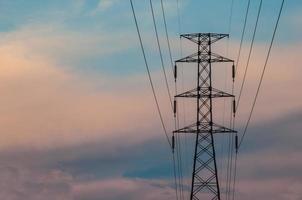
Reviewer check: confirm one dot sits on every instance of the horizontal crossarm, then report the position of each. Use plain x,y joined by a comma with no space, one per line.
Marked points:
205,128
204,93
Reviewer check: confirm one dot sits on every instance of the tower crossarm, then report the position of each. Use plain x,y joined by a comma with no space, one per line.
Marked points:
205,92
204,36
205,127
204,57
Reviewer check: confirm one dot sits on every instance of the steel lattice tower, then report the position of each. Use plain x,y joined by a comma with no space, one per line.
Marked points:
205,184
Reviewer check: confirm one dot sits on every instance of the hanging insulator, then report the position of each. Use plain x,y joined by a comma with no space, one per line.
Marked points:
234,106
175,71
236,143
173,142
233,71
175,107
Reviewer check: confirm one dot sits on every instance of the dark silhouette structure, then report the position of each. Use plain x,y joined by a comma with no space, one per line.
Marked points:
205,183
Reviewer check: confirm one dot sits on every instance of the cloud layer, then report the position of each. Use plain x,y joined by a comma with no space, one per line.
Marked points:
73,131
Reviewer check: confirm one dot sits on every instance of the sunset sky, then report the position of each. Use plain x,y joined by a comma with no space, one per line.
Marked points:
78,120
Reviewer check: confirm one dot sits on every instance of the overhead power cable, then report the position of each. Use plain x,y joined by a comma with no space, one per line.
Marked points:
249,55
229,175
167,34
242,86
230,151
241,90
263,72
235,173
242,34
161,54
178,15
175,176
224,101
154,95
149,75
177,113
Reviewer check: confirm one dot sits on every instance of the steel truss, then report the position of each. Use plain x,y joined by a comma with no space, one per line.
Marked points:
205,184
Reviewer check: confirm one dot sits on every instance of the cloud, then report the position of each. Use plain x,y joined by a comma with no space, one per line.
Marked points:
48,105
270,160
128,189
21,183
104,5
53,116
278,189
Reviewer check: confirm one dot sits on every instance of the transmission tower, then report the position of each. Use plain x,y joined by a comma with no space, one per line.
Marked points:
205,184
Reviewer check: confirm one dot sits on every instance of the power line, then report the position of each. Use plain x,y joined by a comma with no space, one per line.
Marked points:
241,90
235,173
175,176
177,114
167,34
243,33
178,15
149,74
178,144
154,95
229,180
231,144
249,56
160,54
179,162
228,166
225,86
263,72
178,150
230,151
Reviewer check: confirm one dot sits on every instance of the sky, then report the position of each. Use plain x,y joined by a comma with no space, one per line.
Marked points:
78,120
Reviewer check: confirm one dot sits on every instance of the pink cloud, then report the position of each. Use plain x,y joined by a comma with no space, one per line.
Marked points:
45,106
21,183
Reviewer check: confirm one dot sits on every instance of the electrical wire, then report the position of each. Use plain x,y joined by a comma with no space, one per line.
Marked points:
235,173
154,95
178,144
231,162
231,142
175,176
230,150
177,116
234,144
257,93
242,35
178,152
149,75
249,55
228,166
178,16
241,89
167,34
262,75
225,83
160,54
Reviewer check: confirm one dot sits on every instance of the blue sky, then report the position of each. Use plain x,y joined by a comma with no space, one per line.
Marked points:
78,116
200,16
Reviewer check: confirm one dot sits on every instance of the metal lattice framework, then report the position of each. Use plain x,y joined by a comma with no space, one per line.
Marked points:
205,184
